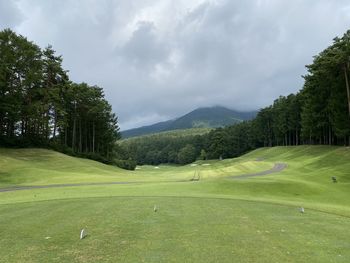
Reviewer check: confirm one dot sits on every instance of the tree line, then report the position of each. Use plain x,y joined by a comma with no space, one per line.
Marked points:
41,107
318,114
179,146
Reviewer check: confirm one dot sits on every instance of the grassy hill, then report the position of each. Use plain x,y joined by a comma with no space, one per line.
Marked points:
170,134
217,219
40,166
210,117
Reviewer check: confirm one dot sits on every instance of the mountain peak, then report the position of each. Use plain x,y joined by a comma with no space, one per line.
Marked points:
204,117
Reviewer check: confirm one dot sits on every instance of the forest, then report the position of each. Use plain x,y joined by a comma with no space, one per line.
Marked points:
318,114
41,107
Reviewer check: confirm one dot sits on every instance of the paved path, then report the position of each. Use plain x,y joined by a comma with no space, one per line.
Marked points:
277,168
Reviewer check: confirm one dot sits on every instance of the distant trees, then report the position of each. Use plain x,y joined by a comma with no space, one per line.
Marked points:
187,154
40,106
170,147
230,141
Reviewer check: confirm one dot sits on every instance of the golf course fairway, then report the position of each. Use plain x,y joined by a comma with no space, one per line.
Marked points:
236,212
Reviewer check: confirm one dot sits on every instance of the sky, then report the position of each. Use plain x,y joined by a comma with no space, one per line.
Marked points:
159,59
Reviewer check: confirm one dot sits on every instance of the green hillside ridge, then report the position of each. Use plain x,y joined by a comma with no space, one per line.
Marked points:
208,117
217,219
170,134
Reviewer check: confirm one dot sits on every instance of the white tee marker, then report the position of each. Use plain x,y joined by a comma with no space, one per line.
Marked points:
155,208
302,210
82,233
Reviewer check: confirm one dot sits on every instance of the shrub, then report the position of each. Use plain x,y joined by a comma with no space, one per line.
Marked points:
125,164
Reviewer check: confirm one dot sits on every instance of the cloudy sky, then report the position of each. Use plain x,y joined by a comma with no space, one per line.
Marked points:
158,59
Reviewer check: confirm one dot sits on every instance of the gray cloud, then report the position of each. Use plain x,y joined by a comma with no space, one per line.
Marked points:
10,15
157,59
143,48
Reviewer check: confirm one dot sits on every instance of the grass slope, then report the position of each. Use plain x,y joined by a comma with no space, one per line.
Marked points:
39,166
169,134
218,219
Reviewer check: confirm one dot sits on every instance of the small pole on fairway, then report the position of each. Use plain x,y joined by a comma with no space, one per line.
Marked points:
82,233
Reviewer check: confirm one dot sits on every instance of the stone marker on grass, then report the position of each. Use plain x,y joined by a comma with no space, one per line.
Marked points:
302,210
83,233
155,208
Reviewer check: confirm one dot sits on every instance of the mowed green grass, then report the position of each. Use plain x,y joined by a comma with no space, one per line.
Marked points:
183,230
218,219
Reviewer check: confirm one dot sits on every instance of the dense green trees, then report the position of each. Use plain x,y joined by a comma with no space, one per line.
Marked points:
40,106
326,107
187,154
168,147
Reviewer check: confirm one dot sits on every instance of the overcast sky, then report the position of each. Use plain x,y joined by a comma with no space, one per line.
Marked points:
158,59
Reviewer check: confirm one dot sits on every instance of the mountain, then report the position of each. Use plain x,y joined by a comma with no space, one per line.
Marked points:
210,117
144,130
